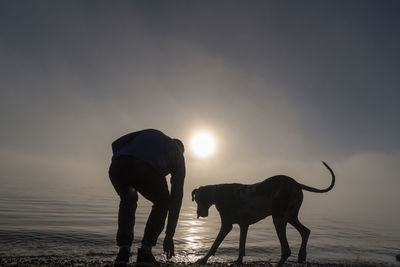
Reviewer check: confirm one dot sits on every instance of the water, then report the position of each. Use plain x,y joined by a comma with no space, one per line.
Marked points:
80,221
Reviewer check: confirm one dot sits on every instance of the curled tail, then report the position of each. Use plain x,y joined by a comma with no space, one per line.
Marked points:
315,190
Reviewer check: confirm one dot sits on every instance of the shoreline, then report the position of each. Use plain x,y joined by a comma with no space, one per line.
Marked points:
50,261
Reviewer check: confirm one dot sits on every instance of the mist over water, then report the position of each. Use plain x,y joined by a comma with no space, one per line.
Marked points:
281,85
81,221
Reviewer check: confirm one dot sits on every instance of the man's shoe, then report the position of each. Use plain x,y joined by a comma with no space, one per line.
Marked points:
146,258
122,257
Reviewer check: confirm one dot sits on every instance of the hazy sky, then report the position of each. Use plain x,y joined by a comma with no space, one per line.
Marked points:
281,84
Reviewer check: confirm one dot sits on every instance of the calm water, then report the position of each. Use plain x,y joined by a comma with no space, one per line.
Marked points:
81,221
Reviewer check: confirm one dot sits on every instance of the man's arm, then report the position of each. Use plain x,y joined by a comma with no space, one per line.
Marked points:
177,181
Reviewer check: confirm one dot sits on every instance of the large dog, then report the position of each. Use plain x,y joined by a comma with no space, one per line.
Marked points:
279,196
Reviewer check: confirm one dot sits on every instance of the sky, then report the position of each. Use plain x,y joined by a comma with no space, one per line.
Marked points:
282,85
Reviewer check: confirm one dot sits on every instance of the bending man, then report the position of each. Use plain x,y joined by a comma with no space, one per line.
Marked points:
140,162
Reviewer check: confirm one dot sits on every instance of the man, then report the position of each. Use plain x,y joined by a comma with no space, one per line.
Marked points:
140,162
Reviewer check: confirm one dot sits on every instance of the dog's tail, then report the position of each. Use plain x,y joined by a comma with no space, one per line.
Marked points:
315,190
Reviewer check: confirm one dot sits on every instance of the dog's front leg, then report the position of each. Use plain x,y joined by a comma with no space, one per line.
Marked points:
242,244
225,229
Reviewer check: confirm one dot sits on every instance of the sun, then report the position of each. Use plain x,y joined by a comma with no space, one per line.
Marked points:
203,144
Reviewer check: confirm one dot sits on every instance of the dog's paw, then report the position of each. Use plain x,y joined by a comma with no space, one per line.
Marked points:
302,258
201,261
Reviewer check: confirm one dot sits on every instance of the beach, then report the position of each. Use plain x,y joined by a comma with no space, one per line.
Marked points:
49,261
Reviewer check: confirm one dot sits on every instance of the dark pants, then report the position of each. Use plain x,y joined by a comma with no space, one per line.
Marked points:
128,175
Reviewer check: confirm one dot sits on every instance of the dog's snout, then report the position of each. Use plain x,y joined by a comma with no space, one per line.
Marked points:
202,211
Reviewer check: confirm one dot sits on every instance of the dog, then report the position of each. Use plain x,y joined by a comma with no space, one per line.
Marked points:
280,196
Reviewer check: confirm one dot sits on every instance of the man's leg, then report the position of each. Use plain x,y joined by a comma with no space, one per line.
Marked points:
154,188
126,222
158,194
119,175
126,216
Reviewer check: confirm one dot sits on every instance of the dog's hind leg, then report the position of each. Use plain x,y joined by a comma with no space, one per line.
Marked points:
280,227
225,229
242,244
305,233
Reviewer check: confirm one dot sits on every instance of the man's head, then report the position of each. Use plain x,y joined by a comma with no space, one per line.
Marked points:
180,144
204,197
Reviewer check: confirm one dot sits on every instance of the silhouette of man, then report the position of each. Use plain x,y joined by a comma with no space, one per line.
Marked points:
140,162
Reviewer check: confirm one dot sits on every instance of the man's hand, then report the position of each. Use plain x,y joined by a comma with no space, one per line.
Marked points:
169,247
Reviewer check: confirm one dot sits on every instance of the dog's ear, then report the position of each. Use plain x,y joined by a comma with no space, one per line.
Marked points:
194,194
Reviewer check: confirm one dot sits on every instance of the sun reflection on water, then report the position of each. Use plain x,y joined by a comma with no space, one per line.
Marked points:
193,237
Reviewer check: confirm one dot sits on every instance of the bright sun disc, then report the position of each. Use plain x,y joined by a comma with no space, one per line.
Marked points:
203,144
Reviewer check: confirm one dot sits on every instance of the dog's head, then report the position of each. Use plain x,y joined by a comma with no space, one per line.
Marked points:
204,197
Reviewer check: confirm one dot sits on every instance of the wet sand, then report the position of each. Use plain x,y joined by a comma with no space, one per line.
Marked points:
50,261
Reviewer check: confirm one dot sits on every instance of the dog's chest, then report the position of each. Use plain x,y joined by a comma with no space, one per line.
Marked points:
253,206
